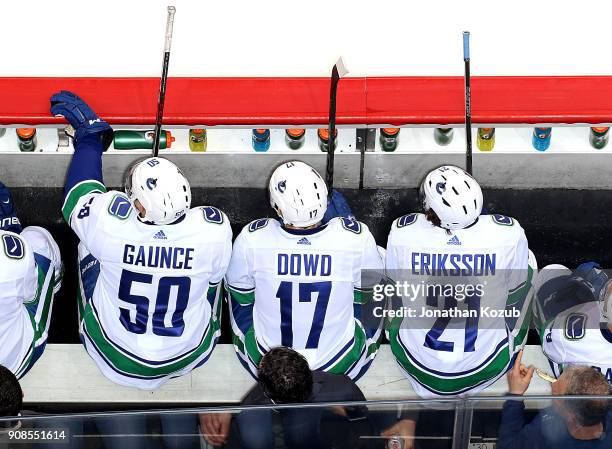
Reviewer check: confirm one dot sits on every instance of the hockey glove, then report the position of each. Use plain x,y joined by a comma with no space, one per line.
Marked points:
81,117
8,217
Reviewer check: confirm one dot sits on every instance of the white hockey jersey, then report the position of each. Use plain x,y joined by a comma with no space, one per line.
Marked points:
576,337
149,293
303,284
18,286
453,342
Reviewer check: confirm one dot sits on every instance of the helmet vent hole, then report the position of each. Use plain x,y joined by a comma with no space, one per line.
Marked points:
466,183
315,185
302,201
455,190
430,183
297,191
475,204
465,210
445,202
444,177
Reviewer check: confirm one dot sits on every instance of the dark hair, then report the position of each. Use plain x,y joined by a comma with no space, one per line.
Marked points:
587,381
11,396
284,376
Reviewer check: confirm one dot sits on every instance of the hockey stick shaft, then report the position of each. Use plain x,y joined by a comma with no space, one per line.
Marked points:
338,71
161,99
468,103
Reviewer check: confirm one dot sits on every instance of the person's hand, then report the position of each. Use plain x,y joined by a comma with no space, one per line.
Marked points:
215,427
404,429
519,376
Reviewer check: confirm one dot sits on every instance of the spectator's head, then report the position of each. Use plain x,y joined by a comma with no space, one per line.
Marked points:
284,376
583,381
11,396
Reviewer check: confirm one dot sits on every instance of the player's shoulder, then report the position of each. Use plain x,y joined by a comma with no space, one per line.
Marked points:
15,254
259,230
350,227
209,215
502,226
112,205
410,222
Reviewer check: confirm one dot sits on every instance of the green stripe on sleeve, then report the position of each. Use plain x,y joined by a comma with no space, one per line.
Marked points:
76,193
243,298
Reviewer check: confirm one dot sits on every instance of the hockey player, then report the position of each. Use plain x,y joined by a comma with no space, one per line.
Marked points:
296,282
574,317
465,269
30,276
150,267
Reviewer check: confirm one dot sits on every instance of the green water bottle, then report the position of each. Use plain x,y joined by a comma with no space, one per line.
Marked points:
323,134
295,137
198,140
443,136
599,137
140,140
389,138
26,138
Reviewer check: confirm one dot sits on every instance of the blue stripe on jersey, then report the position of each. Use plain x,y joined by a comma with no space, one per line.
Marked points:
140,359
338,355
90,271
243,314
462,373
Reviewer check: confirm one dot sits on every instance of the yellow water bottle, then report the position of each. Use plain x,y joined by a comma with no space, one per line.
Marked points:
486,139
197,140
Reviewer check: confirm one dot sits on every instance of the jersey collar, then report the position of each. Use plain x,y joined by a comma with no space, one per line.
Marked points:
304,231
181,218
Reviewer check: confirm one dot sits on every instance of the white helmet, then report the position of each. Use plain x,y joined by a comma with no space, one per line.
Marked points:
453,195
161,188
298,194
606,302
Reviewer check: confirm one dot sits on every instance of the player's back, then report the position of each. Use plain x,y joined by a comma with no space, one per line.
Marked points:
578,337
151,288
304,283
18,283
464,280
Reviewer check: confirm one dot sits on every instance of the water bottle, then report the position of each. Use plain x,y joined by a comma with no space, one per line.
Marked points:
140,140
443,136
541,138
261,139
485,139
295,138
395,442
26,138
389,138
599,137
323,134
197,140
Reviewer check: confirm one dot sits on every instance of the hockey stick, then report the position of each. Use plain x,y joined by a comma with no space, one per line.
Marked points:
468,103
338,71
162,82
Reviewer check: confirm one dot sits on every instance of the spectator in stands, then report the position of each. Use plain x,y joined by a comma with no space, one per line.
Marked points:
284,377
571,423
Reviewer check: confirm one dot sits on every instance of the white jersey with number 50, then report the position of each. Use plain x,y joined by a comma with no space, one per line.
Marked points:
149,293
453,343
303,285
